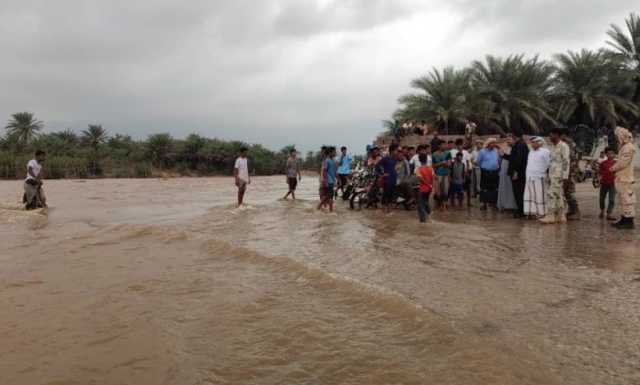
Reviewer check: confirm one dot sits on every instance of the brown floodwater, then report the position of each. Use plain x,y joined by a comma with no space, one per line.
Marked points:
165,282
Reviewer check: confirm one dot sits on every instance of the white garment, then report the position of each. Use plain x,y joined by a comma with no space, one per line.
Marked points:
35,168
466,157
538,163
535,197
243,169
415,161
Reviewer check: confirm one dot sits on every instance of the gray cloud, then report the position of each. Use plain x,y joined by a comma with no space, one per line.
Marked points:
278,72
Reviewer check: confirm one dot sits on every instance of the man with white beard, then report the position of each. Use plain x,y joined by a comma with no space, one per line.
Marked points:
535,194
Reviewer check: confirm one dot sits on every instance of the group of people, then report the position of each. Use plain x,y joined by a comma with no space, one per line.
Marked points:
534,179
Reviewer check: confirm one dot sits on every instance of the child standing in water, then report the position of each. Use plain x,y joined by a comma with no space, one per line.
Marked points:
608,184
241,174
425,177
458,174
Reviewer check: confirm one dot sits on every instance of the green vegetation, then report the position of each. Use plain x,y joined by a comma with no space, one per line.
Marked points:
589,92
95,153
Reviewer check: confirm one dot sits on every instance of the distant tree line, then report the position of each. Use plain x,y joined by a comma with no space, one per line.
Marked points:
589,92
94,153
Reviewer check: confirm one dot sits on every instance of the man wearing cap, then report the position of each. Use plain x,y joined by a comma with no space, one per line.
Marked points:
489,162
559,163
623,169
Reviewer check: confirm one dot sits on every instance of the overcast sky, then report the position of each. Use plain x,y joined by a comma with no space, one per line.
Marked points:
277,72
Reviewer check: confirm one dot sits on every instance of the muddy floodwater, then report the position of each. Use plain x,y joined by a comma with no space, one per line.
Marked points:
149,282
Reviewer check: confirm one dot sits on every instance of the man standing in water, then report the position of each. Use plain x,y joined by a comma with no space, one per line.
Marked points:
518,171
559,163
344,169
569,185
293,174
241,174
535,195
623,168
475,174
489,162
328,178
33,194
389,175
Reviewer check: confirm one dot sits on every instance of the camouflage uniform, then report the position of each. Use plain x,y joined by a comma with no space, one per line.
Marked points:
623,168
569,185
558,172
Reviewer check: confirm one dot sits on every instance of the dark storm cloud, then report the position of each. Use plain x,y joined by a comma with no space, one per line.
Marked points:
278,72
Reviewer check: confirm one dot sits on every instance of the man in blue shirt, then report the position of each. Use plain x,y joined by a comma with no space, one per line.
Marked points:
344,168
328,178
387,169
488,160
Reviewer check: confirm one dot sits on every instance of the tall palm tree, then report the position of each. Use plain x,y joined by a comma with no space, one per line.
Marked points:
515,91
585,91
94,136
68,137
23,127
441,100
625,45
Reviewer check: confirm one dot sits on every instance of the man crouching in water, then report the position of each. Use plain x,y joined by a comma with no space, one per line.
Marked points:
33,197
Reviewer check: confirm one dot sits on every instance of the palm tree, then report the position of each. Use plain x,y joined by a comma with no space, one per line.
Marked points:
626,47
585,90
392,127
514,91
68,137
23,127
442,100
94,136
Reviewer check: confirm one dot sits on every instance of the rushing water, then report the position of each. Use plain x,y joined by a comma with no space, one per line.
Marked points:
165,282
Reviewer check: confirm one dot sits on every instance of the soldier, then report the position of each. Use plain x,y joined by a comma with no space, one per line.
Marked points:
558,174
623,169
569,185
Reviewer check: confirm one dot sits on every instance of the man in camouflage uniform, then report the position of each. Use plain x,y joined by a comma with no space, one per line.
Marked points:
569,185
623,168
558,173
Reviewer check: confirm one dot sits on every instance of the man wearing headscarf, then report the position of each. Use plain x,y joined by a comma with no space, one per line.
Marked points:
623,169
535,194
559,162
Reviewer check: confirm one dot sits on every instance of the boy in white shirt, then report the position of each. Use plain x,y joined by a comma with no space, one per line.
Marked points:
33,197
241,174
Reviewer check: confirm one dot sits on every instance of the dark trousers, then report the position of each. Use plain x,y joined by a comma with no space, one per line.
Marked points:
518,192
611,191
489,183
423,206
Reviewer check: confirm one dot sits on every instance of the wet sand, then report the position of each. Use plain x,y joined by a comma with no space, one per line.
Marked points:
165,282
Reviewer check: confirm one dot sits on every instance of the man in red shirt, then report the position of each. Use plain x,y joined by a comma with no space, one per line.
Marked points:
608,184
425,177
